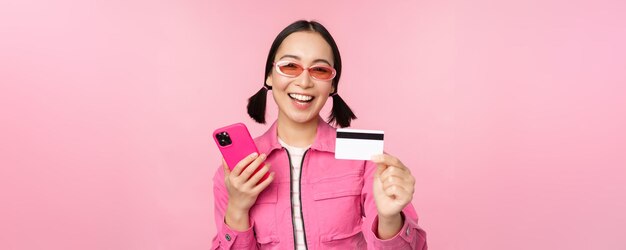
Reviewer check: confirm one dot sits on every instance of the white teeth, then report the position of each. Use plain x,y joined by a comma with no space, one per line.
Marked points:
303,98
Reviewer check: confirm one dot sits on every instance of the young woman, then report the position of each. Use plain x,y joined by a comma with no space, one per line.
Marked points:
311,200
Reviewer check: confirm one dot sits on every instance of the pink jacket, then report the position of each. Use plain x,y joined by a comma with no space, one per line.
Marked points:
338,207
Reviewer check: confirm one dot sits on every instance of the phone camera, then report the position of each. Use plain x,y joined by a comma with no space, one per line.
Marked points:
224,139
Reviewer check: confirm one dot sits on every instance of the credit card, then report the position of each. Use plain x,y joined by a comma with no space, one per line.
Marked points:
358,144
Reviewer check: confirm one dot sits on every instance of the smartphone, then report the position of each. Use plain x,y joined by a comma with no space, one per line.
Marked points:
235,143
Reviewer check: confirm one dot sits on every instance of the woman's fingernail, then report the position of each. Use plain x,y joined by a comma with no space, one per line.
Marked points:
255,154
376,157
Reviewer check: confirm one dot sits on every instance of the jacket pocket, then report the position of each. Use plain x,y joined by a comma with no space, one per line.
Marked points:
333,237
263,213
338,206
267,239
338,186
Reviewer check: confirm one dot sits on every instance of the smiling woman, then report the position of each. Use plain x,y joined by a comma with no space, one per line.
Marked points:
302,92
289,49
370,200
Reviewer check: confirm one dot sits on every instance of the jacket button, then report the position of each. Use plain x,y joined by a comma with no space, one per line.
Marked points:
408,231
228,237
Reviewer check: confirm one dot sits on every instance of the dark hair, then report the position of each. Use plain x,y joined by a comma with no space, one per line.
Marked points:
340,114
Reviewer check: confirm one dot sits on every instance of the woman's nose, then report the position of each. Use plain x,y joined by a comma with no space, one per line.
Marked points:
304,80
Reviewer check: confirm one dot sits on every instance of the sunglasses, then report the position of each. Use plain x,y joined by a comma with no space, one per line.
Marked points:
317,72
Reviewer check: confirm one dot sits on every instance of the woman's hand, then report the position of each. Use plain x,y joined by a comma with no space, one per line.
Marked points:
243,189
393,190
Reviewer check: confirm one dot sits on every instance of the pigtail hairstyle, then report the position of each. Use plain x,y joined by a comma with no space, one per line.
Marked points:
341,114
257,103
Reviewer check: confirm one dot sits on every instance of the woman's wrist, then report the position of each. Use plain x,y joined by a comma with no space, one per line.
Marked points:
389,225
237,219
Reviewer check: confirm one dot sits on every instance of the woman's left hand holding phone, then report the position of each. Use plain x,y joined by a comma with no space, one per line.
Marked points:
243,189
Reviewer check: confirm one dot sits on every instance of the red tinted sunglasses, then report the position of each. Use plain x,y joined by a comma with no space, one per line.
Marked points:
317,72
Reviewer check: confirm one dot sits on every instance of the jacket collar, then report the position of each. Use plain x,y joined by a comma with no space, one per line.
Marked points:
324,138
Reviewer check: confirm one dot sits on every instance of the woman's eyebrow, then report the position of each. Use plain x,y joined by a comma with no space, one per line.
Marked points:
298,58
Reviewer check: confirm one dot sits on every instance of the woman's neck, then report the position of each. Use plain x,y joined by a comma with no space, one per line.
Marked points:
297,134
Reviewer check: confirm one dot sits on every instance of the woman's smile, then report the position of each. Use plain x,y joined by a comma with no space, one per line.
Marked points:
301,101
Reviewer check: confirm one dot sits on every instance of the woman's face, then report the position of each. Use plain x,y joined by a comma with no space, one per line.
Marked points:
301,98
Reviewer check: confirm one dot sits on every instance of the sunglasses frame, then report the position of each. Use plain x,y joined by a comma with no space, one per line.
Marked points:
282,63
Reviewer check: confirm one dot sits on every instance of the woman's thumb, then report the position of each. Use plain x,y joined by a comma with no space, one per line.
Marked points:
225,167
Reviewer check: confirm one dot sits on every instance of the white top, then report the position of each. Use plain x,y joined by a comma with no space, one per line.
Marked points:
296,155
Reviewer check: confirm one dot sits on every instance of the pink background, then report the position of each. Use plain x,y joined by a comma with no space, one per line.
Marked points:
511,115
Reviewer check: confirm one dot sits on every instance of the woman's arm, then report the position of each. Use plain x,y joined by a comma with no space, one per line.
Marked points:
227,237
389,226
390,218
235,192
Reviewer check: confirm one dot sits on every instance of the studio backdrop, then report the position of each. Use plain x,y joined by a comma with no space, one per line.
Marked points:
510,114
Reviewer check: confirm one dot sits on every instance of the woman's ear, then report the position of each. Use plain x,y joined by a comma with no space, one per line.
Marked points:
268,81
332,89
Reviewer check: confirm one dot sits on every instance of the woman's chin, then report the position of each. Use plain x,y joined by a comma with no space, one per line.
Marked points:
299,113
299,116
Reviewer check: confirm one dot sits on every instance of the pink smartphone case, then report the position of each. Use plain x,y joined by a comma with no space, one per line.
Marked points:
242,145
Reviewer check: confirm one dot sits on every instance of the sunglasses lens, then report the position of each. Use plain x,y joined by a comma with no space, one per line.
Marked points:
290,69
321,72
